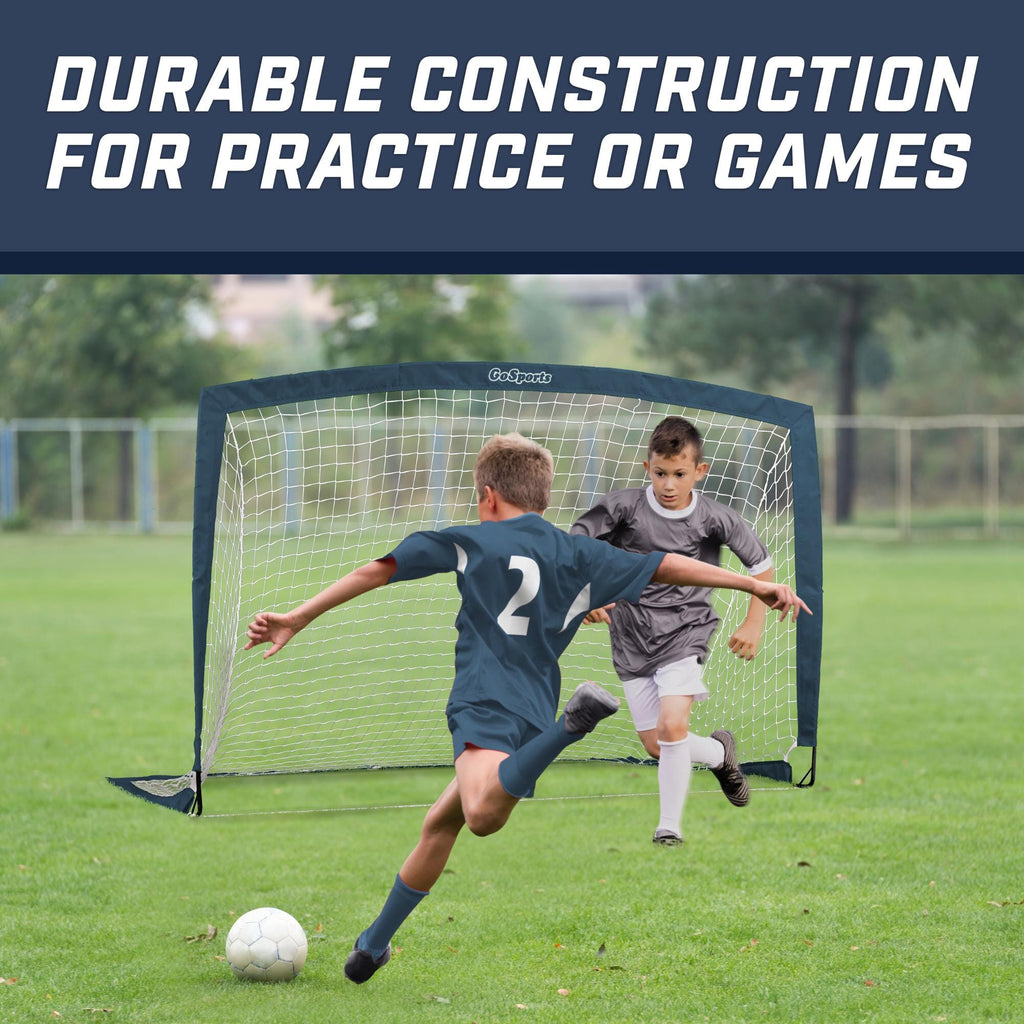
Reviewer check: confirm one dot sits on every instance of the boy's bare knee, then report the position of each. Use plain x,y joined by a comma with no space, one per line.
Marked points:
485,820
672,732
483,825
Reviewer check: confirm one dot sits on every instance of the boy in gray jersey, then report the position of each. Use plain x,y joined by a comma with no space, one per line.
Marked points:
659,644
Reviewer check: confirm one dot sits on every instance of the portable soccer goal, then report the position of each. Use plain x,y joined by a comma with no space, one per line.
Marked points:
301,478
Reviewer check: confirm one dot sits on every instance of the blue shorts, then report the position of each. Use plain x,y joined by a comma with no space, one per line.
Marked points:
489,726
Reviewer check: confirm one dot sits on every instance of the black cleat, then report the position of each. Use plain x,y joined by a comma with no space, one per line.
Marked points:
730,778
587,706
360,966
663,837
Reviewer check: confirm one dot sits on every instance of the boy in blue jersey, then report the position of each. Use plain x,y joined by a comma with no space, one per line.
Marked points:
660,642
526,587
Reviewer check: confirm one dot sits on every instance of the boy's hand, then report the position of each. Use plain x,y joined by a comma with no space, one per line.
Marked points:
780,598
598,615
746,640
270,628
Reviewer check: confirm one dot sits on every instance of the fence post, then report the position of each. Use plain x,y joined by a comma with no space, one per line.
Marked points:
77,476
437,476
590,481
991,429
8,472
903,477
292,441
144,456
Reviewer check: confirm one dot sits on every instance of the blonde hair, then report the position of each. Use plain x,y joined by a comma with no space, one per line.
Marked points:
518,469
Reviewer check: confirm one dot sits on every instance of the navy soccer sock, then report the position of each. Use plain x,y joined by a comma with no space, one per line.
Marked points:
519,771
401,902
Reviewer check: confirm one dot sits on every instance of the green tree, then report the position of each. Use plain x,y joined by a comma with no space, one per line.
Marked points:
770,327
544,320
392,318
105,345
399,318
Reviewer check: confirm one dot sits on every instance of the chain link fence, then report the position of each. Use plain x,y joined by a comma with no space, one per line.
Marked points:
97,474
951,475
948,475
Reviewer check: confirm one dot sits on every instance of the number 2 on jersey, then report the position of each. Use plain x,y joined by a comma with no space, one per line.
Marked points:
517,625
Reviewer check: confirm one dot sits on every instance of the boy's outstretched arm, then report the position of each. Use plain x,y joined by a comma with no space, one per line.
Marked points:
277,629
690,572
747,638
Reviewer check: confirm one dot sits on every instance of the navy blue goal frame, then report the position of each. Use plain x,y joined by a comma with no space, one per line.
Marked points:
218,402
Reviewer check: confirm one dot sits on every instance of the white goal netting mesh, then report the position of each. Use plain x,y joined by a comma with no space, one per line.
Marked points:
310,491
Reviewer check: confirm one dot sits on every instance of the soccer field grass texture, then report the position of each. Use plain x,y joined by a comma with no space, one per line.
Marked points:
891,891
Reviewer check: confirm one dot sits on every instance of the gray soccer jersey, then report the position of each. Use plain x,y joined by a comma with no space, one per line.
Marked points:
668,623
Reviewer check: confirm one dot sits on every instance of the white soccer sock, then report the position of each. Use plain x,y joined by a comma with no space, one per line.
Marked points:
673,783
706,750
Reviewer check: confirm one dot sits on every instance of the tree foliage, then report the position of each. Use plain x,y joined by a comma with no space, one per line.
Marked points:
392,318
767,328
104,345
119,346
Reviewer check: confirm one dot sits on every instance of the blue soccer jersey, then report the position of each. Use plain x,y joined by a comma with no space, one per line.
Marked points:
525,586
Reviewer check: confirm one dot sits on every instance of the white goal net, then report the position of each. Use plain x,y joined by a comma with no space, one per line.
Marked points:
310,490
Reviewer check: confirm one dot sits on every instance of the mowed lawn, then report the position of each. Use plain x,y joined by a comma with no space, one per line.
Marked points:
890,891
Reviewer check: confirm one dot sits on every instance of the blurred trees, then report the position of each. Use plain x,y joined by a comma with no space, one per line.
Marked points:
394,318
106,345
771,327
131,345
546,321
401,318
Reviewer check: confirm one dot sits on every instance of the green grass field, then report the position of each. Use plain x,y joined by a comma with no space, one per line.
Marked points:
890,891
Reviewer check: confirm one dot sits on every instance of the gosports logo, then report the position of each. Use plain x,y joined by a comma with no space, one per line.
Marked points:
515,376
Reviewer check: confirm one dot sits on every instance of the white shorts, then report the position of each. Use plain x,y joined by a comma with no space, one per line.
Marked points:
679,679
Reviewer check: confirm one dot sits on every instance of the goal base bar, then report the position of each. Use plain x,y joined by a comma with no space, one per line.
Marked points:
182,793
177,792
778,771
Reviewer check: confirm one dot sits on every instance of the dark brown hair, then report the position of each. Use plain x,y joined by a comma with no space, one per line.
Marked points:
674,435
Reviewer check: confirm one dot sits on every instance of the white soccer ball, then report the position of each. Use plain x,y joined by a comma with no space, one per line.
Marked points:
266,945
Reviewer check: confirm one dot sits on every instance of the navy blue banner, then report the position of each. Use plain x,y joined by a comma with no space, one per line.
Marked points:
559,136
